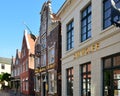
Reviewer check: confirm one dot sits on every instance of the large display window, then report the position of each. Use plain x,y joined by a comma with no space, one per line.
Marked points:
111,75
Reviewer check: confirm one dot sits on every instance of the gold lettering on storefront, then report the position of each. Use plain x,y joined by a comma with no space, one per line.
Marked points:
42,69
87,50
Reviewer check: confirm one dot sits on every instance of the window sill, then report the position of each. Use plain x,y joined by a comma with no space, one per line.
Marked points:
84,42
67,51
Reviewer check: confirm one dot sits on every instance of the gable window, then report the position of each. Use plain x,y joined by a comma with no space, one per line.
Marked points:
111,75
86,24
86,79
70,82
70,35
107,16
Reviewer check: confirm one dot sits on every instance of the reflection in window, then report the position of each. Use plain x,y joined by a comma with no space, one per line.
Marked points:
111,76
43,60
70,82
86,24
51,55
86,79
107,13
52,82
70,35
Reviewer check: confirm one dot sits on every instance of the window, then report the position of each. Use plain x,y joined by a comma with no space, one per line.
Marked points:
52,82
43,42
17,61
51,55
26,65
26,85
23,52
86,79
70,82
37,83
23,66
43,60
2,66
107,13
70,35
86,24
37,62
111,75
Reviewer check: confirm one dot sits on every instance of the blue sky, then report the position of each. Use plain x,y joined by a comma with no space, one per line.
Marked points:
12,15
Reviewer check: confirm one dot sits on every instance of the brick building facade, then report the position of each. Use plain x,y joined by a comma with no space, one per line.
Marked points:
48,70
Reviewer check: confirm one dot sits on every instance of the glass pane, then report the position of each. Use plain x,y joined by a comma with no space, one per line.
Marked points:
84,37
72,32
116,74
89,19
72,39
84,13
89,26
118,4
69,27
116,82
107,77
89,84
107,63
107,22
84,68
84,93
116,61
107,4
84,29
84,85
70,82
89,34
89,67
108,83
107,13
68,35
89,9
72,44
84,22
116,92
72,25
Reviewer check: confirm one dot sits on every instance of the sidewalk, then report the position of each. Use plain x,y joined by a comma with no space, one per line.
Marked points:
9,93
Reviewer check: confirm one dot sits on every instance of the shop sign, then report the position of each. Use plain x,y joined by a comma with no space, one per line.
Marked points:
50,66
87,50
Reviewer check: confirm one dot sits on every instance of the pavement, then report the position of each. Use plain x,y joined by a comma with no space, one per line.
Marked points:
9,93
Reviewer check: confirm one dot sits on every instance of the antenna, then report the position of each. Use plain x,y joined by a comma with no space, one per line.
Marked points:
31,34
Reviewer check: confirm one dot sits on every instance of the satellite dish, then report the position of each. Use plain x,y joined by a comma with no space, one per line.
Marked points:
114,6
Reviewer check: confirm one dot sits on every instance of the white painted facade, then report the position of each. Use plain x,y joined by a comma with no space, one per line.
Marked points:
108,40
7,68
